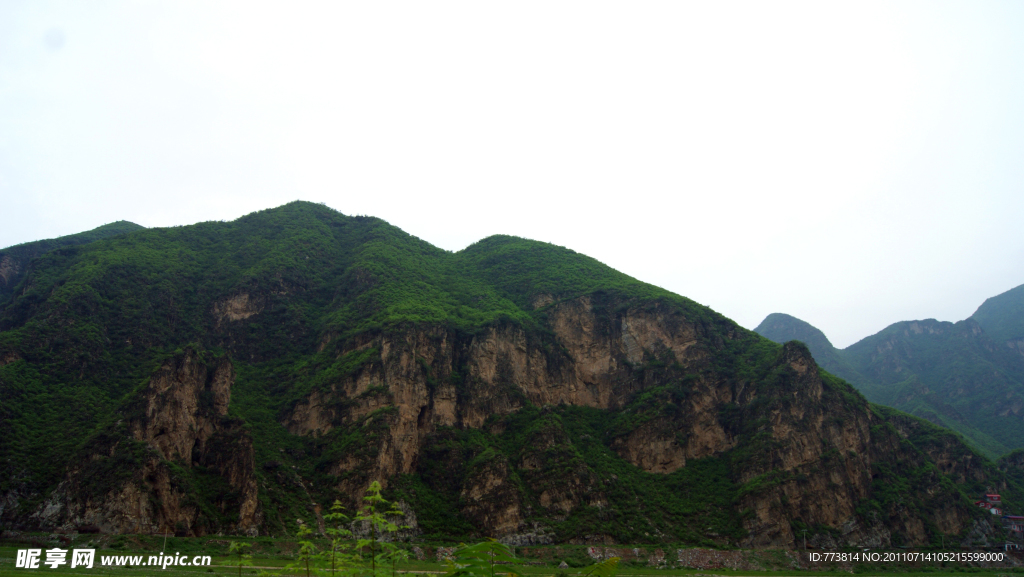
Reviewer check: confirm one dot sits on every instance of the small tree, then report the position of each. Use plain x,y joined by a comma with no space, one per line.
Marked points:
337,555
240,550
376,511
307,550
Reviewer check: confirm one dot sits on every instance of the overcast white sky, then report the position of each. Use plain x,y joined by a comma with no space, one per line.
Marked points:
853,164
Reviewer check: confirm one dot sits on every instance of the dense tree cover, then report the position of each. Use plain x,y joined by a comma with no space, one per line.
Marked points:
14,260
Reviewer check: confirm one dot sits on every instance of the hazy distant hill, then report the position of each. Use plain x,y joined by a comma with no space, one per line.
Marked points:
14,260
233,377
1002,317
953,374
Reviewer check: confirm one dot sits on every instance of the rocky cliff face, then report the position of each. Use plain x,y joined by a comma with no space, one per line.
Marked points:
826,459
9,269
436,378
138,476
1012,466
815,442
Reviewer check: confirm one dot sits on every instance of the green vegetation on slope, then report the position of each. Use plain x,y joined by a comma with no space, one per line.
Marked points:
15,260
1002,316
951,372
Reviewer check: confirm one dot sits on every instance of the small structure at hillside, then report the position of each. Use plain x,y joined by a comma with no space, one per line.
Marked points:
1013,523
991,501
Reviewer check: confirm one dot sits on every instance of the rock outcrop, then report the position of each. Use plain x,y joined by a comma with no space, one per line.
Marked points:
138,475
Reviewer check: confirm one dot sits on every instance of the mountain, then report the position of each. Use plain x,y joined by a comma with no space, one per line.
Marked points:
14,260
782,328
952,374
1012,464
1002,318
235,377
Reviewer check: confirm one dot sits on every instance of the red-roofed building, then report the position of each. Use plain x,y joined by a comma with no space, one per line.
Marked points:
992,502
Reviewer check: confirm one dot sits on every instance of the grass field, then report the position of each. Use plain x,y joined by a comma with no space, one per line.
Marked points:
272,555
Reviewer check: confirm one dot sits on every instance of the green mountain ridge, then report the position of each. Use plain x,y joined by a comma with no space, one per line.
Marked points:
14,260
1002,317
234,377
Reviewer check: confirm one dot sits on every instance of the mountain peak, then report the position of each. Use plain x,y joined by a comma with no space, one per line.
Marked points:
781,327
1002,316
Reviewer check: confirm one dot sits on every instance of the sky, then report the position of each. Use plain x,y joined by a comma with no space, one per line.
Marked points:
853,164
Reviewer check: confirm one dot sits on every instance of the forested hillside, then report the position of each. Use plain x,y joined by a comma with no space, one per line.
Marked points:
235,377
1002,317
14,260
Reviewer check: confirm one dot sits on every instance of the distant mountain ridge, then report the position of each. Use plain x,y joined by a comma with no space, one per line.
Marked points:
1002,317
968,376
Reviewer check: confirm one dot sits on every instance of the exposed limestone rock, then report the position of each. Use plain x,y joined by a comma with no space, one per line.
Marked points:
501,364
1013,462
556,474
236,308
535,534
8,270
652,447
492,500
542,300
180,418
173,423
9,357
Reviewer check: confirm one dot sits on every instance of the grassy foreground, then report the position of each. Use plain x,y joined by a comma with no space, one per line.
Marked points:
273,555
